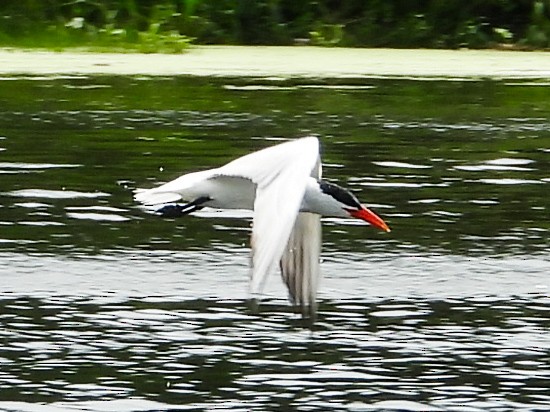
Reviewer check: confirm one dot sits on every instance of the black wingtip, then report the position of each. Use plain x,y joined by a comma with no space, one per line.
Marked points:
175,210
171,211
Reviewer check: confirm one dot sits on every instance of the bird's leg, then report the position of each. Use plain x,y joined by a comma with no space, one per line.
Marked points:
182,210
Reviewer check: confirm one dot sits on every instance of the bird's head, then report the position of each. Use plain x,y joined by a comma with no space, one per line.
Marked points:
352,207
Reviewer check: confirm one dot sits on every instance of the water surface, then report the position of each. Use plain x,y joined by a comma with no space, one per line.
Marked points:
105,307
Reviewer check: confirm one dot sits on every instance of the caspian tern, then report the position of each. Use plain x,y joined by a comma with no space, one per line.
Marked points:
282,186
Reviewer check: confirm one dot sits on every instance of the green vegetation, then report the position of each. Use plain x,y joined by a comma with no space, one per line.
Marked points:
170,25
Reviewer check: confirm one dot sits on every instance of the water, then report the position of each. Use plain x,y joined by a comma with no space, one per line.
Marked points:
105,307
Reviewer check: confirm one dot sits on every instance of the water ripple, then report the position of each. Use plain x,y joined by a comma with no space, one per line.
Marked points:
458,353
54,194
402,165
103,307
34,166
98,217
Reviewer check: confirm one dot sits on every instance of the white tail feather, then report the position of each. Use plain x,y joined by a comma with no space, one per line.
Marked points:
153,197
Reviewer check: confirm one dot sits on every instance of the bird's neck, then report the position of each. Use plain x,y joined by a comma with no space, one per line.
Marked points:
316,201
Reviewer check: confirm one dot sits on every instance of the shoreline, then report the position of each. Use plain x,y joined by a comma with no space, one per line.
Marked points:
286,62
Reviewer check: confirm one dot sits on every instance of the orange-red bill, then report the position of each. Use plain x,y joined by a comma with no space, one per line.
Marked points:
371,218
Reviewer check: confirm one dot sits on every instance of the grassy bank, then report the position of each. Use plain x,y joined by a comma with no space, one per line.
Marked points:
170,25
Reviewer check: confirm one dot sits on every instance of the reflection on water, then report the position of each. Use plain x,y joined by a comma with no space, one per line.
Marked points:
451,353
105,307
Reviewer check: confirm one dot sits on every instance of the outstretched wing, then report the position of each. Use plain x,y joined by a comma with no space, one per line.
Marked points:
281,174
300,262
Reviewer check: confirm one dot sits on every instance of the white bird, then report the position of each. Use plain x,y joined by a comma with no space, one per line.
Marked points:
282,186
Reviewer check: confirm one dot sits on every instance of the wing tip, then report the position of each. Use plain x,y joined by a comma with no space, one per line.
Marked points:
311,139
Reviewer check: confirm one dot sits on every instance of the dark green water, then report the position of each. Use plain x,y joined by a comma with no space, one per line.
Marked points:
105,307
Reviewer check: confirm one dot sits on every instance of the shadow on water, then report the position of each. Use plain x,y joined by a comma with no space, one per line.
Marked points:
104,307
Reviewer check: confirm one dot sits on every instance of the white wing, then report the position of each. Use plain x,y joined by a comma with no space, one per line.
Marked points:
280,173
300,262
